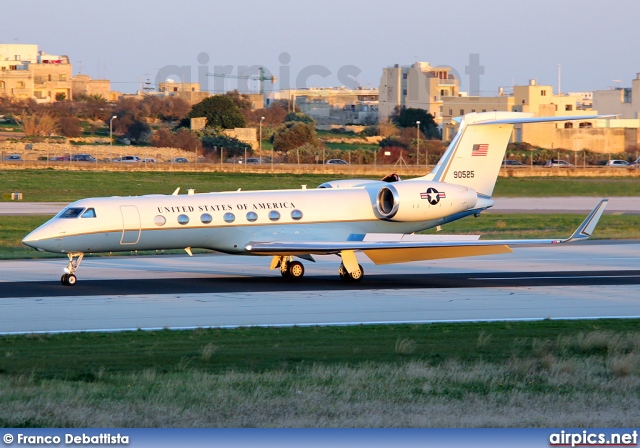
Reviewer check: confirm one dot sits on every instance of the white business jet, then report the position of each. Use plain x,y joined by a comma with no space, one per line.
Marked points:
378,218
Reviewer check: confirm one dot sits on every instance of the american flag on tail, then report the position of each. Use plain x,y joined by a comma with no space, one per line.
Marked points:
480,150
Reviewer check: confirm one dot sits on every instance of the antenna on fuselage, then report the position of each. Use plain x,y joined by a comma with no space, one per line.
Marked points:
175,193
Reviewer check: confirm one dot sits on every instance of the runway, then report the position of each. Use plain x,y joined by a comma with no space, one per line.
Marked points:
584,280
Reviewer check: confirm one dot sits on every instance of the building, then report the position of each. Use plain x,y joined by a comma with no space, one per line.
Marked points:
84,85
333,105
419,86
188,91
602,135
26,73
624,102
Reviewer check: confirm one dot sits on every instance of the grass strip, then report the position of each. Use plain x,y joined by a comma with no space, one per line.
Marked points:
66,186
78,356
543,373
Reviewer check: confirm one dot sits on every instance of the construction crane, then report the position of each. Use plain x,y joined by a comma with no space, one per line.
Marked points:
261,77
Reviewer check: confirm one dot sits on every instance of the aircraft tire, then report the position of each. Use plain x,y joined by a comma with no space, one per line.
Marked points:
342,271
63,279
356,276
71,280
296,270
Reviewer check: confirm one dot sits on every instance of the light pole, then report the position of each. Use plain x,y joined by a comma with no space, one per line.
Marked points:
260,143
417,143
111,134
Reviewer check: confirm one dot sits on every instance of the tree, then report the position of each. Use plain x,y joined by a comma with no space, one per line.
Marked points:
407,117
220,112
164,108
183,139
273,116
93,107
292,134
69,126
38,124
213,140
243,101
299,116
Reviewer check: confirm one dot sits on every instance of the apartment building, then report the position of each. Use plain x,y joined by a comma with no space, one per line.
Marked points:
26,72
419,86
624,102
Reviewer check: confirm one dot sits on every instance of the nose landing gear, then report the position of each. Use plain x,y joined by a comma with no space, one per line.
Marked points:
69,278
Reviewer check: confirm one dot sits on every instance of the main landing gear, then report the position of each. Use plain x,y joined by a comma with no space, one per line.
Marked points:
354,276
69,277
294,270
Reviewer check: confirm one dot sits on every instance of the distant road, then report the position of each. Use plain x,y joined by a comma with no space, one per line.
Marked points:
571,204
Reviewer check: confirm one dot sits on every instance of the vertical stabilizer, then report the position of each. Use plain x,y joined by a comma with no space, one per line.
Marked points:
474,157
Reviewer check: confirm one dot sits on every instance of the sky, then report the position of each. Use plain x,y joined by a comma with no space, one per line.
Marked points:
335,42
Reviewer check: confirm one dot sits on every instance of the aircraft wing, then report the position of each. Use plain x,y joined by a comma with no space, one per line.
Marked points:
416,248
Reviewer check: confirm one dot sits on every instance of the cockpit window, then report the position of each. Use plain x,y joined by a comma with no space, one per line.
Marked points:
71,212
90,213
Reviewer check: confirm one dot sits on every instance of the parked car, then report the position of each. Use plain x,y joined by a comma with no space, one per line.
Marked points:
14,157
617,163
558,163
149,160
635,164
253,161
83,158
60,158
127,159
180,160
337,162
512,163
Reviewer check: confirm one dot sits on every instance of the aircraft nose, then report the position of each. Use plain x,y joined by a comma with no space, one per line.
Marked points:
40,239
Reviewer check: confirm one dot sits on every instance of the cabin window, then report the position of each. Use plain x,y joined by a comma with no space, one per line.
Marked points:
229,217
90,213
183,219
274,215
71,212
296,214
252,216
160,220
206,218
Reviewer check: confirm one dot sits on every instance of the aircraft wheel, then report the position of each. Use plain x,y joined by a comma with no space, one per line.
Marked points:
356,276
296,270
342,271
68,279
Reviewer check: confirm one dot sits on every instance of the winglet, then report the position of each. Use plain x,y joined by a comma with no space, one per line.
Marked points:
589,224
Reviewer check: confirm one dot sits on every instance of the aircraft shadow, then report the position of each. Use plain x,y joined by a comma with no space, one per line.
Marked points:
238,284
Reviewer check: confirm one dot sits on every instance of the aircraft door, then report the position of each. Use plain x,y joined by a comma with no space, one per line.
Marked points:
130,224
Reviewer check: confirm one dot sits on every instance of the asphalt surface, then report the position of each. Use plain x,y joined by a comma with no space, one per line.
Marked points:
583,280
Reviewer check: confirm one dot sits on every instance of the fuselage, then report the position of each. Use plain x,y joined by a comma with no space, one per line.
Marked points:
227,221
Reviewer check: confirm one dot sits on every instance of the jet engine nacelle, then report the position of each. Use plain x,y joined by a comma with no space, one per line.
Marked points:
422,200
